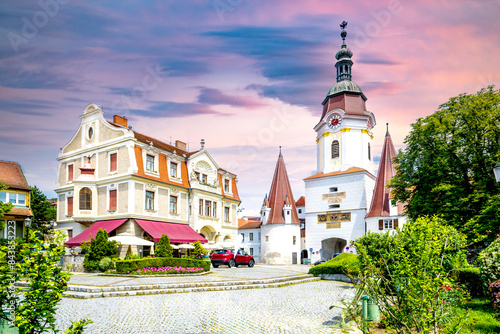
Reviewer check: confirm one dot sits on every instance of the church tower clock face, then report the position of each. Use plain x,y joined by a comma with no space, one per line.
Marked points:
334,121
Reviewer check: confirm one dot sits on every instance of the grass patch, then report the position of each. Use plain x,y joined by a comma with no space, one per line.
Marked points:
482,317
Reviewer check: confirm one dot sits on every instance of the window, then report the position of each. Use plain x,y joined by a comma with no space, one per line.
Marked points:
267,238
200,208
203,178
335,149
334,206
112,162
226,186
70,172
208,208
173,204
214,210
226,214
150,163
150,200
70,206
300,210
3,197
112,199
69,233
91,132
85,199
250,236
251,251
334,189
387,224
173,169
16,199
242,237
369,152
294,239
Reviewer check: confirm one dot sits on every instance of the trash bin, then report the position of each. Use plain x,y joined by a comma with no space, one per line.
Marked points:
369,309
5,328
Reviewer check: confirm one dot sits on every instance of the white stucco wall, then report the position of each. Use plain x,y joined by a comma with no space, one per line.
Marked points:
277,243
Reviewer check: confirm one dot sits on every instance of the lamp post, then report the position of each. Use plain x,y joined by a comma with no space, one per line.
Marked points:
27,223
496,171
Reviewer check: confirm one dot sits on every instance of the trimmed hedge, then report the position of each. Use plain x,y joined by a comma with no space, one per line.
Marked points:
346,263
122,266
470,278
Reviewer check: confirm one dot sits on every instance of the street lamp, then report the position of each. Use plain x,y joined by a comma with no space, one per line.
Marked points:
496,171
27,223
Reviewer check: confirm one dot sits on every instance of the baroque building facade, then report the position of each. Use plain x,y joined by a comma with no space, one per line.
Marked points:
114,177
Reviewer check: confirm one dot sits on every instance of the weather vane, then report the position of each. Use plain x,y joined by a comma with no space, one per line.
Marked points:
343,24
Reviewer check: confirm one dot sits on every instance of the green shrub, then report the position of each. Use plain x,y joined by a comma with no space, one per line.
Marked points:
198,248
345,263
470,278
163,248
124,266
106,264
489,263
100,247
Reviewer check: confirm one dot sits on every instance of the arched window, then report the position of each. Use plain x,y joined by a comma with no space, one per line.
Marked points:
85,199
335,149
369,152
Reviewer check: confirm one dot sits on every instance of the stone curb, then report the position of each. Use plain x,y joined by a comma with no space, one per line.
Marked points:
137,290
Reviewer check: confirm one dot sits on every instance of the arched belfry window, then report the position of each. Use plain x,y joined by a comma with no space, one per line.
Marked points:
85,199
335,149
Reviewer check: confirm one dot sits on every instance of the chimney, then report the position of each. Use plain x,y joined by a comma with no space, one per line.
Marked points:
181,145
120,120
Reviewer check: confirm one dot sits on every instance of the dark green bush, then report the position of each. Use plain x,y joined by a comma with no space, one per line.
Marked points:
470,278
100,247
90,265
163,248
346,263
489,263
123,266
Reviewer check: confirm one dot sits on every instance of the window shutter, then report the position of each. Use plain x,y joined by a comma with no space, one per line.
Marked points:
70,173
70,205
380,224
112,199
395,223
112,162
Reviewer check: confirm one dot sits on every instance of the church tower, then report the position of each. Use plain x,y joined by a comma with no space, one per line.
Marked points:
344,132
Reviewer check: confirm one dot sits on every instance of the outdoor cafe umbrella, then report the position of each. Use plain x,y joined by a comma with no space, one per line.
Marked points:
125,239
184,246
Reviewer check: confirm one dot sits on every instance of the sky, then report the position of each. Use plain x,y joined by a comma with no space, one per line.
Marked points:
246,76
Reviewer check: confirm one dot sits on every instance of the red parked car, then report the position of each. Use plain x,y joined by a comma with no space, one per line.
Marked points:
226,256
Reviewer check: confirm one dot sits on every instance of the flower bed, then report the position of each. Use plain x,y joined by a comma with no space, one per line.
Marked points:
166,270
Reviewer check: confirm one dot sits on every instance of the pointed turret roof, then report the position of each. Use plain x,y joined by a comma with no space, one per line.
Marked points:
281,193
382,194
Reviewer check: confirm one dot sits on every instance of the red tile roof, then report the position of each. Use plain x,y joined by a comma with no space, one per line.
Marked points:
20,212
301,201
280,193
253,222
381,195
12,175
348,171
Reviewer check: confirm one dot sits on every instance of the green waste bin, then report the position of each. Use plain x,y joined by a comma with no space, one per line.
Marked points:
5,327
369,309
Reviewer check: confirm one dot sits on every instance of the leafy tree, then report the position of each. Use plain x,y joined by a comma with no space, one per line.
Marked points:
4,207
446,167
163,248
32,308
43,212
100,247
410,275
199,250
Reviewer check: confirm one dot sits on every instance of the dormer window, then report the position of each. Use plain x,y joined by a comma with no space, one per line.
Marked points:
150,163
204,178
173,169
70,172
226,185
113,162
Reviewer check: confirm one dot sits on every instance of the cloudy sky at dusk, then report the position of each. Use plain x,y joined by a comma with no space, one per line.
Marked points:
246,76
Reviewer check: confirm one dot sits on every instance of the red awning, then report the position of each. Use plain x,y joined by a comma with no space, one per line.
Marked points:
108,225
177,233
